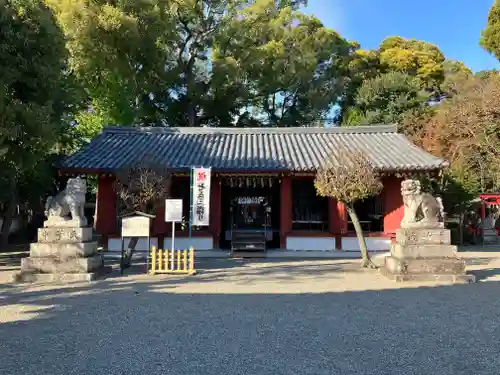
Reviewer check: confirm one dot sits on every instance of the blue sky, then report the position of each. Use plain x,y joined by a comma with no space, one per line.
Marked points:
453,25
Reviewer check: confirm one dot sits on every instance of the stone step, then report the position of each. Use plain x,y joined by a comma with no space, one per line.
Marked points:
68,235
60,277
446,278
423,236
63,250
56,265
436,266
421,251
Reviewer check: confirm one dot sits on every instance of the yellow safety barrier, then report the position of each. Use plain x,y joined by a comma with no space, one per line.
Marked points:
172,261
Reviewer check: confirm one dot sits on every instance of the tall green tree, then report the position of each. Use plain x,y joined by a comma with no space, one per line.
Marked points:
427,75
387,99
33,91
490,37
201,62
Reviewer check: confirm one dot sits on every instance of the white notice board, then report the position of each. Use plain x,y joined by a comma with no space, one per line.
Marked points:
173,210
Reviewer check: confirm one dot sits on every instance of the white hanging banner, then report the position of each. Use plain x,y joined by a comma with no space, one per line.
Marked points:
201,196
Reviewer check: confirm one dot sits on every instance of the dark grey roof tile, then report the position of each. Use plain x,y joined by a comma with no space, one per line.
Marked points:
253,149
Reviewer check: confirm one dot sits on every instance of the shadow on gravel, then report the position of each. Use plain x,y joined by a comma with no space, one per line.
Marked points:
120,327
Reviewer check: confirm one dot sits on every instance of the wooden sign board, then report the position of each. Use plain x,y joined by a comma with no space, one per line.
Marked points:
136,226
173,210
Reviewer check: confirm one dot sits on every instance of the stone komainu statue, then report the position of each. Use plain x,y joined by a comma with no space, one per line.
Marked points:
421,210
67,207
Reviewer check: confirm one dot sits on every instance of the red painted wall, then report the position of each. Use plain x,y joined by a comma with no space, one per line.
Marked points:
286,210
337,220
337,217
393,203
106,217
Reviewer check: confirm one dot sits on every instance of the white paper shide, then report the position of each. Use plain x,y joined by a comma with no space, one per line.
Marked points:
201,196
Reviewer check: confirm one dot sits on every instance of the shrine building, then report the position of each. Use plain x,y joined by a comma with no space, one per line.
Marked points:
262,195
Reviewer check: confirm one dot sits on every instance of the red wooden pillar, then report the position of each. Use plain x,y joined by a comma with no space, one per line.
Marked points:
337,220
160,227
483,211
105,221
393,203
286,210
216,211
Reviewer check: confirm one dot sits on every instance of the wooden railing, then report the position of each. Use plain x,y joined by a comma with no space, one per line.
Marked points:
172,261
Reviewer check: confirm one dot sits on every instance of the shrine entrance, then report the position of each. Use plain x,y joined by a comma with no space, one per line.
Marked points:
250,209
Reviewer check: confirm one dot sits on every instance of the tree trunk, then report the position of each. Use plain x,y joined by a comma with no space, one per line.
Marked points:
366,261
9,214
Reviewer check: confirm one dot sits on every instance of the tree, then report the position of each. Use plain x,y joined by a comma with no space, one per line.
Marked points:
417,58
455,74
465,130
387,99
349,177
422,63
490,37
34,95
141,189
201,62
292,65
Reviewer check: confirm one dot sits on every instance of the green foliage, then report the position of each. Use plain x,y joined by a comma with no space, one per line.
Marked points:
428,76
33,91
417,58
387,98
193,63
490,37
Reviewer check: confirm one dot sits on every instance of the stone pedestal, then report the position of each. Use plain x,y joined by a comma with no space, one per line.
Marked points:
425,255
62,254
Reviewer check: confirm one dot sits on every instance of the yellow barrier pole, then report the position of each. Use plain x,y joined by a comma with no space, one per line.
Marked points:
166,260
179,268
172,259
160,263
153,260
185,253
191,260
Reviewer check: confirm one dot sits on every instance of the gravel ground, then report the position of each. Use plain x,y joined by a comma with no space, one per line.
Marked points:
258,317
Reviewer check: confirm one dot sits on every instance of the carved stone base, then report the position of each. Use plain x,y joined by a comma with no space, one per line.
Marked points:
446,278
70,234
62,254
29,277
453,266
425,255
424,251
63,250
58,265
423,236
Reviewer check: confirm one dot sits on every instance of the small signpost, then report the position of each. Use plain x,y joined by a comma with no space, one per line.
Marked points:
173,213
137,226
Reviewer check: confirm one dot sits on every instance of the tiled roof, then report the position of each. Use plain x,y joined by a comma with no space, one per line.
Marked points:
252,149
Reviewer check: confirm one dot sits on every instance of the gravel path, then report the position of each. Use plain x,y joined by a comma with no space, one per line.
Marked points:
306,317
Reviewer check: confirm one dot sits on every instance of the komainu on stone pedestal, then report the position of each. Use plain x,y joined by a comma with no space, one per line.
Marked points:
65,251
423,250
66,209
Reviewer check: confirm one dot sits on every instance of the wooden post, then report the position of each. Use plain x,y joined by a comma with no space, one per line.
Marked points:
153,260
191,260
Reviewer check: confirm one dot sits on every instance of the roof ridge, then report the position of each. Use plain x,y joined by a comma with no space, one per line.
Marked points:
365,129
